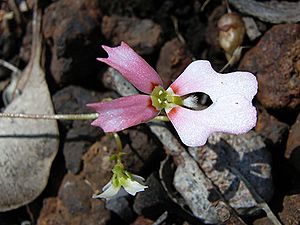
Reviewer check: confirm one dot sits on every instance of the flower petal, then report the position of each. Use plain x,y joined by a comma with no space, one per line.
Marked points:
106,186
132,187
110,192
122,113
232,114
138,178
132,66
199,76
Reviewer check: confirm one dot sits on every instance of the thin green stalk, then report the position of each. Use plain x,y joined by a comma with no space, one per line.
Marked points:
118,142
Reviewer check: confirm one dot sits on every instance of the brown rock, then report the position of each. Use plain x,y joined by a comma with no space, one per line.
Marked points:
75,194
142,221
53,213
144,36
111,77
291,210
227,159
290,214
293,142
74,204
142,152
173,59
81,134
212,31
262,221
71,28
292,150
274,60
152,202
271,128
75,208
97,164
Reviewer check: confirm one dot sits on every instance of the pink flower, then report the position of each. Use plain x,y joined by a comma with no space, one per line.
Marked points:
231,111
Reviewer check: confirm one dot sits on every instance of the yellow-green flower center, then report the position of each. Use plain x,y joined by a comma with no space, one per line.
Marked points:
162,99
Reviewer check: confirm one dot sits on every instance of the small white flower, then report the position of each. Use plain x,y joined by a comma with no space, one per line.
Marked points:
129,182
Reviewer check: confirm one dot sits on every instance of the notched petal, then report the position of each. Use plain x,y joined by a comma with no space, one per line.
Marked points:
132,66
233,114
132,187
199,76
110,192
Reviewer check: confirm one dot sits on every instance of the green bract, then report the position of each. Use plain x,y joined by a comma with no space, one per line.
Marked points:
162,99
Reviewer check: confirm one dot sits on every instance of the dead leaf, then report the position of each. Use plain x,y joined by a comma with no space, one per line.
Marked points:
27,147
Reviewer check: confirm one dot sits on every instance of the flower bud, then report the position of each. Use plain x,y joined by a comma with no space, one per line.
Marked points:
231,32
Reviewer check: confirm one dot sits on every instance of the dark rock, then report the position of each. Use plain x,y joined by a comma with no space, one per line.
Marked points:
121,206
270,128
9,40
73,152
151,202
229,159
252,30
72,30
294,138
74,204
97,164
274,60
113,80
142,151
75,194
292,150
80,134
4,84
88,212
25,50
173,59
73,99
144,36
139,8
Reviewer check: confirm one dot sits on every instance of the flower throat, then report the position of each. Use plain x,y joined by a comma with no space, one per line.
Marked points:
162,99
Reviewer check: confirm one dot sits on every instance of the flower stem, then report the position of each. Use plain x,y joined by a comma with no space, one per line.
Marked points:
118,143
89,116
10,66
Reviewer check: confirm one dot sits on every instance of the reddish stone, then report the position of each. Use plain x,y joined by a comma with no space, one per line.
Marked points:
143,153
292,151
212,31
72,28
97,164
262,221
275,61
142,221
53,213
293,142
271,128
74,204
173,59
142,35
291,210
